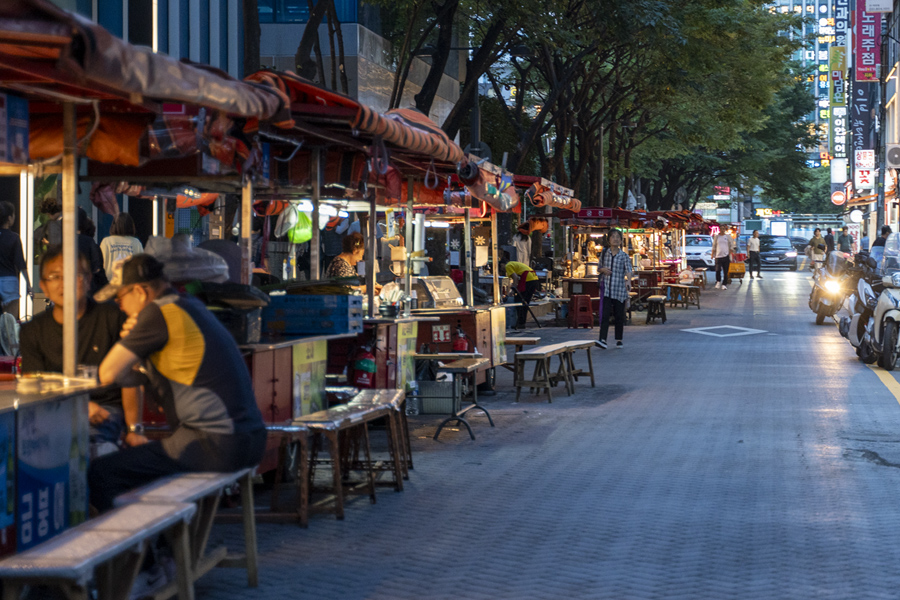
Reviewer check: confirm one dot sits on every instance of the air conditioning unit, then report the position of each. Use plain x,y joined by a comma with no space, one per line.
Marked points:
892,156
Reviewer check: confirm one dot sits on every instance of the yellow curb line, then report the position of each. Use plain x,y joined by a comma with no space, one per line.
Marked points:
888,380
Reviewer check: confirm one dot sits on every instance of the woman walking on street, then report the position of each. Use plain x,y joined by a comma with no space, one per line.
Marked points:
615,284
723,247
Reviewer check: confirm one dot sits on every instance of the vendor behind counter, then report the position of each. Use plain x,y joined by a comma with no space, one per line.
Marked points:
526,283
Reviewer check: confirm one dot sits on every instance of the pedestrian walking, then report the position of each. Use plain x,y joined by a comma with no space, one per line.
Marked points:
845,241
723,248
120,244
880,240
615,285
12,261
829,241
816,250
753,251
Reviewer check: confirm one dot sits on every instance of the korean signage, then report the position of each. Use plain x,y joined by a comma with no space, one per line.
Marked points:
867,44
861,103
841,22
837,95
864,179
879,6
767,212
51,479
865,159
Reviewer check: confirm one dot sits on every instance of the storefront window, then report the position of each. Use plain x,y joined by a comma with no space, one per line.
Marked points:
297,11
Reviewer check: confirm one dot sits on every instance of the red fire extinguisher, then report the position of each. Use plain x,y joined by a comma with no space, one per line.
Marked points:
364,366
461,343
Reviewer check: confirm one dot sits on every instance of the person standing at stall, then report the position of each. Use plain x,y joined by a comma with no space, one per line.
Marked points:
526,283
753,255
12,261
522,244
99,324
196,371
723,247
615,282
121,242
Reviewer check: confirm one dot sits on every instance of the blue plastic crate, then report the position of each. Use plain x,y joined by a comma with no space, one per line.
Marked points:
312,315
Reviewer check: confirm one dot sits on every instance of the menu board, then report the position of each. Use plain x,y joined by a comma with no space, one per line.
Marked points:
51,479
309,361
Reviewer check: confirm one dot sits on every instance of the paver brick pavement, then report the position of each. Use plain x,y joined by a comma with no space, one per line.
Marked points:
761,466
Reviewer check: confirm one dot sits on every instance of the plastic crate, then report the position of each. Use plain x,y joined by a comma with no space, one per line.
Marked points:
436,398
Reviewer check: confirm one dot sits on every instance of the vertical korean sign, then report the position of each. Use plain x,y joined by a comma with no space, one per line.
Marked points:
861,103
837,92
867,44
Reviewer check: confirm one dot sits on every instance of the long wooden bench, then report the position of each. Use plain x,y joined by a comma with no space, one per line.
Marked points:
204,490
464,367
109,550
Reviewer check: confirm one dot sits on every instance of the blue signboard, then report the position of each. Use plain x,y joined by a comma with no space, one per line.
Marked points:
7,483
13,129
51,494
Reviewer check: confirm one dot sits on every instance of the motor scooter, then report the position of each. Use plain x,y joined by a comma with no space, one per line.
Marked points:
830,289
886,323
858,326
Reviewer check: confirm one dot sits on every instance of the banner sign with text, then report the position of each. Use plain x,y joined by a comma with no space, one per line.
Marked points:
837,97
866,44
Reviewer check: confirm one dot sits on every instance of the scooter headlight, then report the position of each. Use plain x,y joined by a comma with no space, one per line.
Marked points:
833,286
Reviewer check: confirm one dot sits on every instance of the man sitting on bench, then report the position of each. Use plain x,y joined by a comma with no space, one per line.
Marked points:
196,371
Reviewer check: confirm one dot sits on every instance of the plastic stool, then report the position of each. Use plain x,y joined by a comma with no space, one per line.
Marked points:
580,312
656,308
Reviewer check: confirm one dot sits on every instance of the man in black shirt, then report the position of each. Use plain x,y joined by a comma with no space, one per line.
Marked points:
40,343
880,240
829,241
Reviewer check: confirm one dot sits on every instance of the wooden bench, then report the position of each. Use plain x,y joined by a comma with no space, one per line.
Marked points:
204,490
399,447
463,368
332,424
109,549
542,378
684,295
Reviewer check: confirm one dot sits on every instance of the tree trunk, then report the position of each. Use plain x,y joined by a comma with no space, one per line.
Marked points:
483,58
446,14
251,37
342,59
306,67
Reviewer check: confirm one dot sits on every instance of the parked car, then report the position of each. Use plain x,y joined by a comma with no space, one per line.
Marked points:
698,251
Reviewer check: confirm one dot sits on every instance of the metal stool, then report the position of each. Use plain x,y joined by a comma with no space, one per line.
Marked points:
656,308
580,312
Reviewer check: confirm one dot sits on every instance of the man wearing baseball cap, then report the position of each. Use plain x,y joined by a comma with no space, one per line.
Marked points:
194,369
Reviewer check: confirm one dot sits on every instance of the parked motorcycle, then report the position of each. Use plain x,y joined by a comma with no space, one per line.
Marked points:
858,327
831,288
886,325
887,322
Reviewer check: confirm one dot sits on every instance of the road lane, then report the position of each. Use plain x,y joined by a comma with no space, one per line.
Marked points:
747,466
